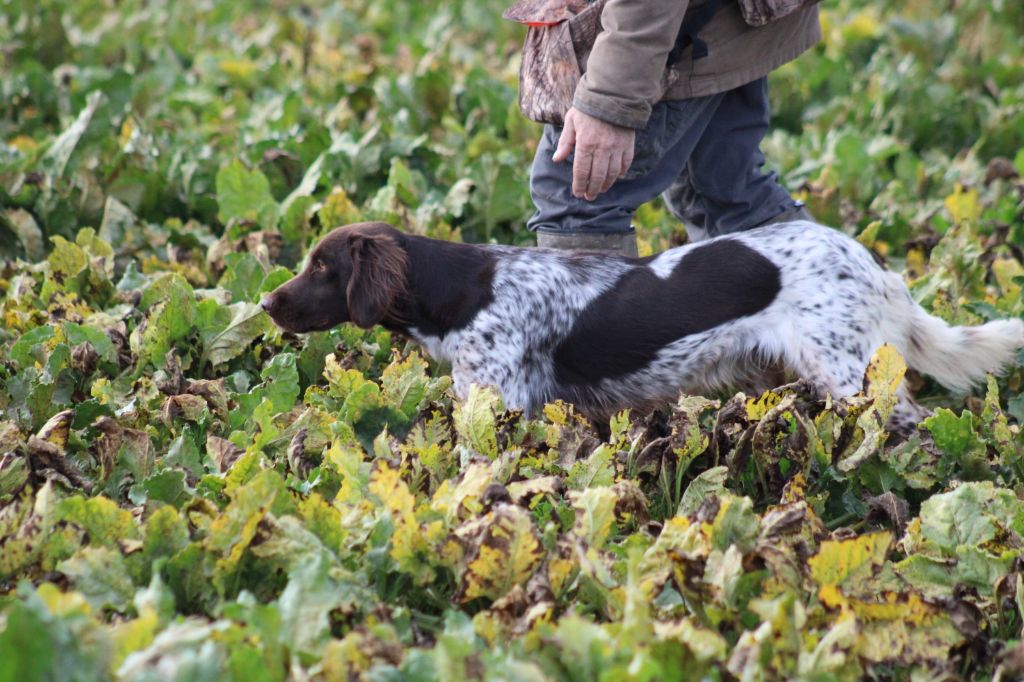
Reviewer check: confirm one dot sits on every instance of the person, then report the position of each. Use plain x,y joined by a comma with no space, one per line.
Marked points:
698,144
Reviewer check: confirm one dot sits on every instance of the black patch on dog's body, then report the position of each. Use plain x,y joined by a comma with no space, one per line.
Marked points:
622,330
450,284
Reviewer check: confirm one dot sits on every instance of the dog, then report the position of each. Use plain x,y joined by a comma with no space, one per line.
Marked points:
609,332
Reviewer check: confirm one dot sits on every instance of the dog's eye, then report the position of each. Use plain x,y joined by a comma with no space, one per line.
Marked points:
319,266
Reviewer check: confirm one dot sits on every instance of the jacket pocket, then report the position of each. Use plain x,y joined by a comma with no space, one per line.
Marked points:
558,41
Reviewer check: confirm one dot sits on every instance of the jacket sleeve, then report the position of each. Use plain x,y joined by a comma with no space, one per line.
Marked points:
625,67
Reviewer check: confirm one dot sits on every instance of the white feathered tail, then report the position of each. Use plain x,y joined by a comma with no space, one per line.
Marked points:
957,357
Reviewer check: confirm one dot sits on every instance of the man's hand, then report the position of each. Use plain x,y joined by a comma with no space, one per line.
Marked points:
604,152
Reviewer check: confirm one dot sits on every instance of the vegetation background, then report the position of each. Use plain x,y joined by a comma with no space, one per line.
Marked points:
188,494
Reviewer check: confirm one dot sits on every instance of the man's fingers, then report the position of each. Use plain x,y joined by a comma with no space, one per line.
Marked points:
566,141
614,172
598,175
627,160
581,169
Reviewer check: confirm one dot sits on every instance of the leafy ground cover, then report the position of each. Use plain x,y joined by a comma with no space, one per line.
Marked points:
188,494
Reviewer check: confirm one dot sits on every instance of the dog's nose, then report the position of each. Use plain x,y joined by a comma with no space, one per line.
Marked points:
265,303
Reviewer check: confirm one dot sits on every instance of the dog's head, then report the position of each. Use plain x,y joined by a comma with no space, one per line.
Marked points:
355,274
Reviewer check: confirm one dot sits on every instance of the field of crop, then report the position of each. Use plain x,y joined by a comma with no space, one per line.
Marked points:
188,494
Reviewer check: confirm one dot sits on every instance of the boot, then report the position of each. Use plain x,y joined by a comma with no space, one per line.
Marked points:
617,243
798,212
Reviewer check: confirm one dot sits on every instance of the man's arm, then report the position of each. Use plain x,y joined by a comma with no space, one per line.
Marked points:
613,98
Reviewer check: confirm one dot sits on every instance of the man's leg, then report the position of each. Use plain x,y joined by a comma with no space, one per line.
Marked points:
662,149
725,169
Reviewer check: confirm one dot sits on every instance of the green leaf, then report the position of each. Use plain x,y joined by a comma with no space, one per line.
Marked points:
27,646
230,534
244,195
14,473
165,534
101,575
103,521
954,435
172,308
305,605
47,635
167,485
404,385
30,347
280,387
247,323
970,515
735,523
710,482
596,470
243,276
476,420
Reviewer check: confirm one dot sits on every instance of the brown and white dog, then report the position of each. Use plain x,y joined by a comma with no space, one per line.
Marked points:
608,332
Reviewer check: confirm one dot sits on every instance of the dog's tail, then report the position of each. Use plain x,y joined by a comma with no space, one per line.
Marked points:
958,357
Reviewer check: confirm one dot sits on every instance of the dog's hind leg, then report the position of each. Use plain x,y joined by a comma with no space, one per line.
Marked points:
836,373
841,374
907,414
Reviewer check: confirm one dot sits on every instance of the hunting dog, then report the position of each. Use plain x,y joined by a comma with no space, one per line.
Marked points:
608,332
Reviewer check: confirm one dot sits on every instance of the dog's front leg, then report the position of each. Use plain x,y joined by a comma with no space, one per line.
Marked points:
472,368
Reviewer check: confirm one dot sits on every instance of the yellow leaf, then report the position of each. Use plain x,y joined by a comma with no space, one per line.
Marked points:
387,484
916,261
869,234
132,635
23,143
705,644
560,572
127,130
831,597
338,209
840,562
885,373
508,554
231,533
524,491
903,607
757,408
462,499
595,513
795,490
409,545
55,430
63,603
1005,269
238,69
557,413
903,640
862,25
963,205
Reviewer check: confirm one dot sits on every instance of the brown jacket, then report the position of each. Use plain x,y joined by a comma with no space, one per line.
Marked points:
625,71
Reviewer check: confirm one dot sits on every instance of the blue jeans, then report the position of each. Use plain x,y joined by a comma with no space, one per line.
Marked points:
703,154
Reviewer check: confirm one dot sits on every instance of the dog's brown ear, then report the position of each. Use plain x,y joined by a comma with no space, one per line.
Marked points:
379,267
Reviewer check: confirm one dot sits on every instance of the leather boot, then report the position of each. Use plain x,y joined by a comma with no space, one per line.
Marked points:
618,243
798,212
